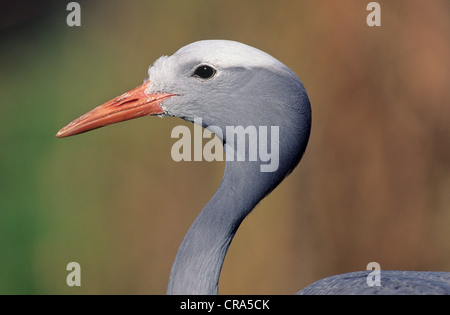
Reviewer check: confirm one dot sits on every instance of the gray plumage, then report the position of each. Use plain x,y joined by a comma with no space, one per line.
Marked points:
391,282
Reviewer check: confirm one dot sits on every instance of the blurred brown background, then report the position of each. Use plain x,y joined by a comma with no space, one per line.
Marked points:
373,185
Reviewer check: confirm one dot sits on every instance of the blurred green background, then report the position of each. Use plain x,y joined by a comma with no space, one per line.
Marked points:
373,185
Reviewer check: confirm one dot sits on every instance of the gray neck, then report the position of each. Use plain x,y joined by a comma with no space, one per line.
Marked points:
199,260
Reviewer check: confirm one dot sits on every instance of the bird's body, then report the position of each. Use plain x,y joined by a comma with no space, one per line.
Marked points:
224,83
391,283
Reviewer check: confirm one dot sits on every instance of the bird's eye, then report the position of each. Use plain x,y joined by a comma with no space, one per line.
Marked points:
204,72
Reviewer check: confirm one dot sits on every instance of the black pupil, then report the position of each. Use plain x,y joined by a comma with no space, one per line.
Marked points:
204,72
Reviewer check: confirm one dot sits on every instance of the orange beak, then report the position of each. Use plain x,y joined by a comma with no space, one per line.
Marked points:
133,104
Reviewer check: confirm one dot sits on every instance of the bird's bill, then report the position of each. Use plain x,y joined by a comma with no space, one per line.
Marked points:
132,104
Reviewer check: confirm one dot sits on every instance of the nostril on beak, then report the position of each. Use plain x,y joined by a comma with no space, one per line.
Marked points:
120,103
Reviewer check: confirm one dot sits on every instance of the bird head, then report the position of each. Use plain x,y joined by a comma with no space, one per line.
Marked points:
225,83
220,83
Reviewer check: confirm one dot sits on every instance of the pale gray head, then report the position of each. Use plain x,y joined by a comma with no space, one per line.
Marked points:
227,83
